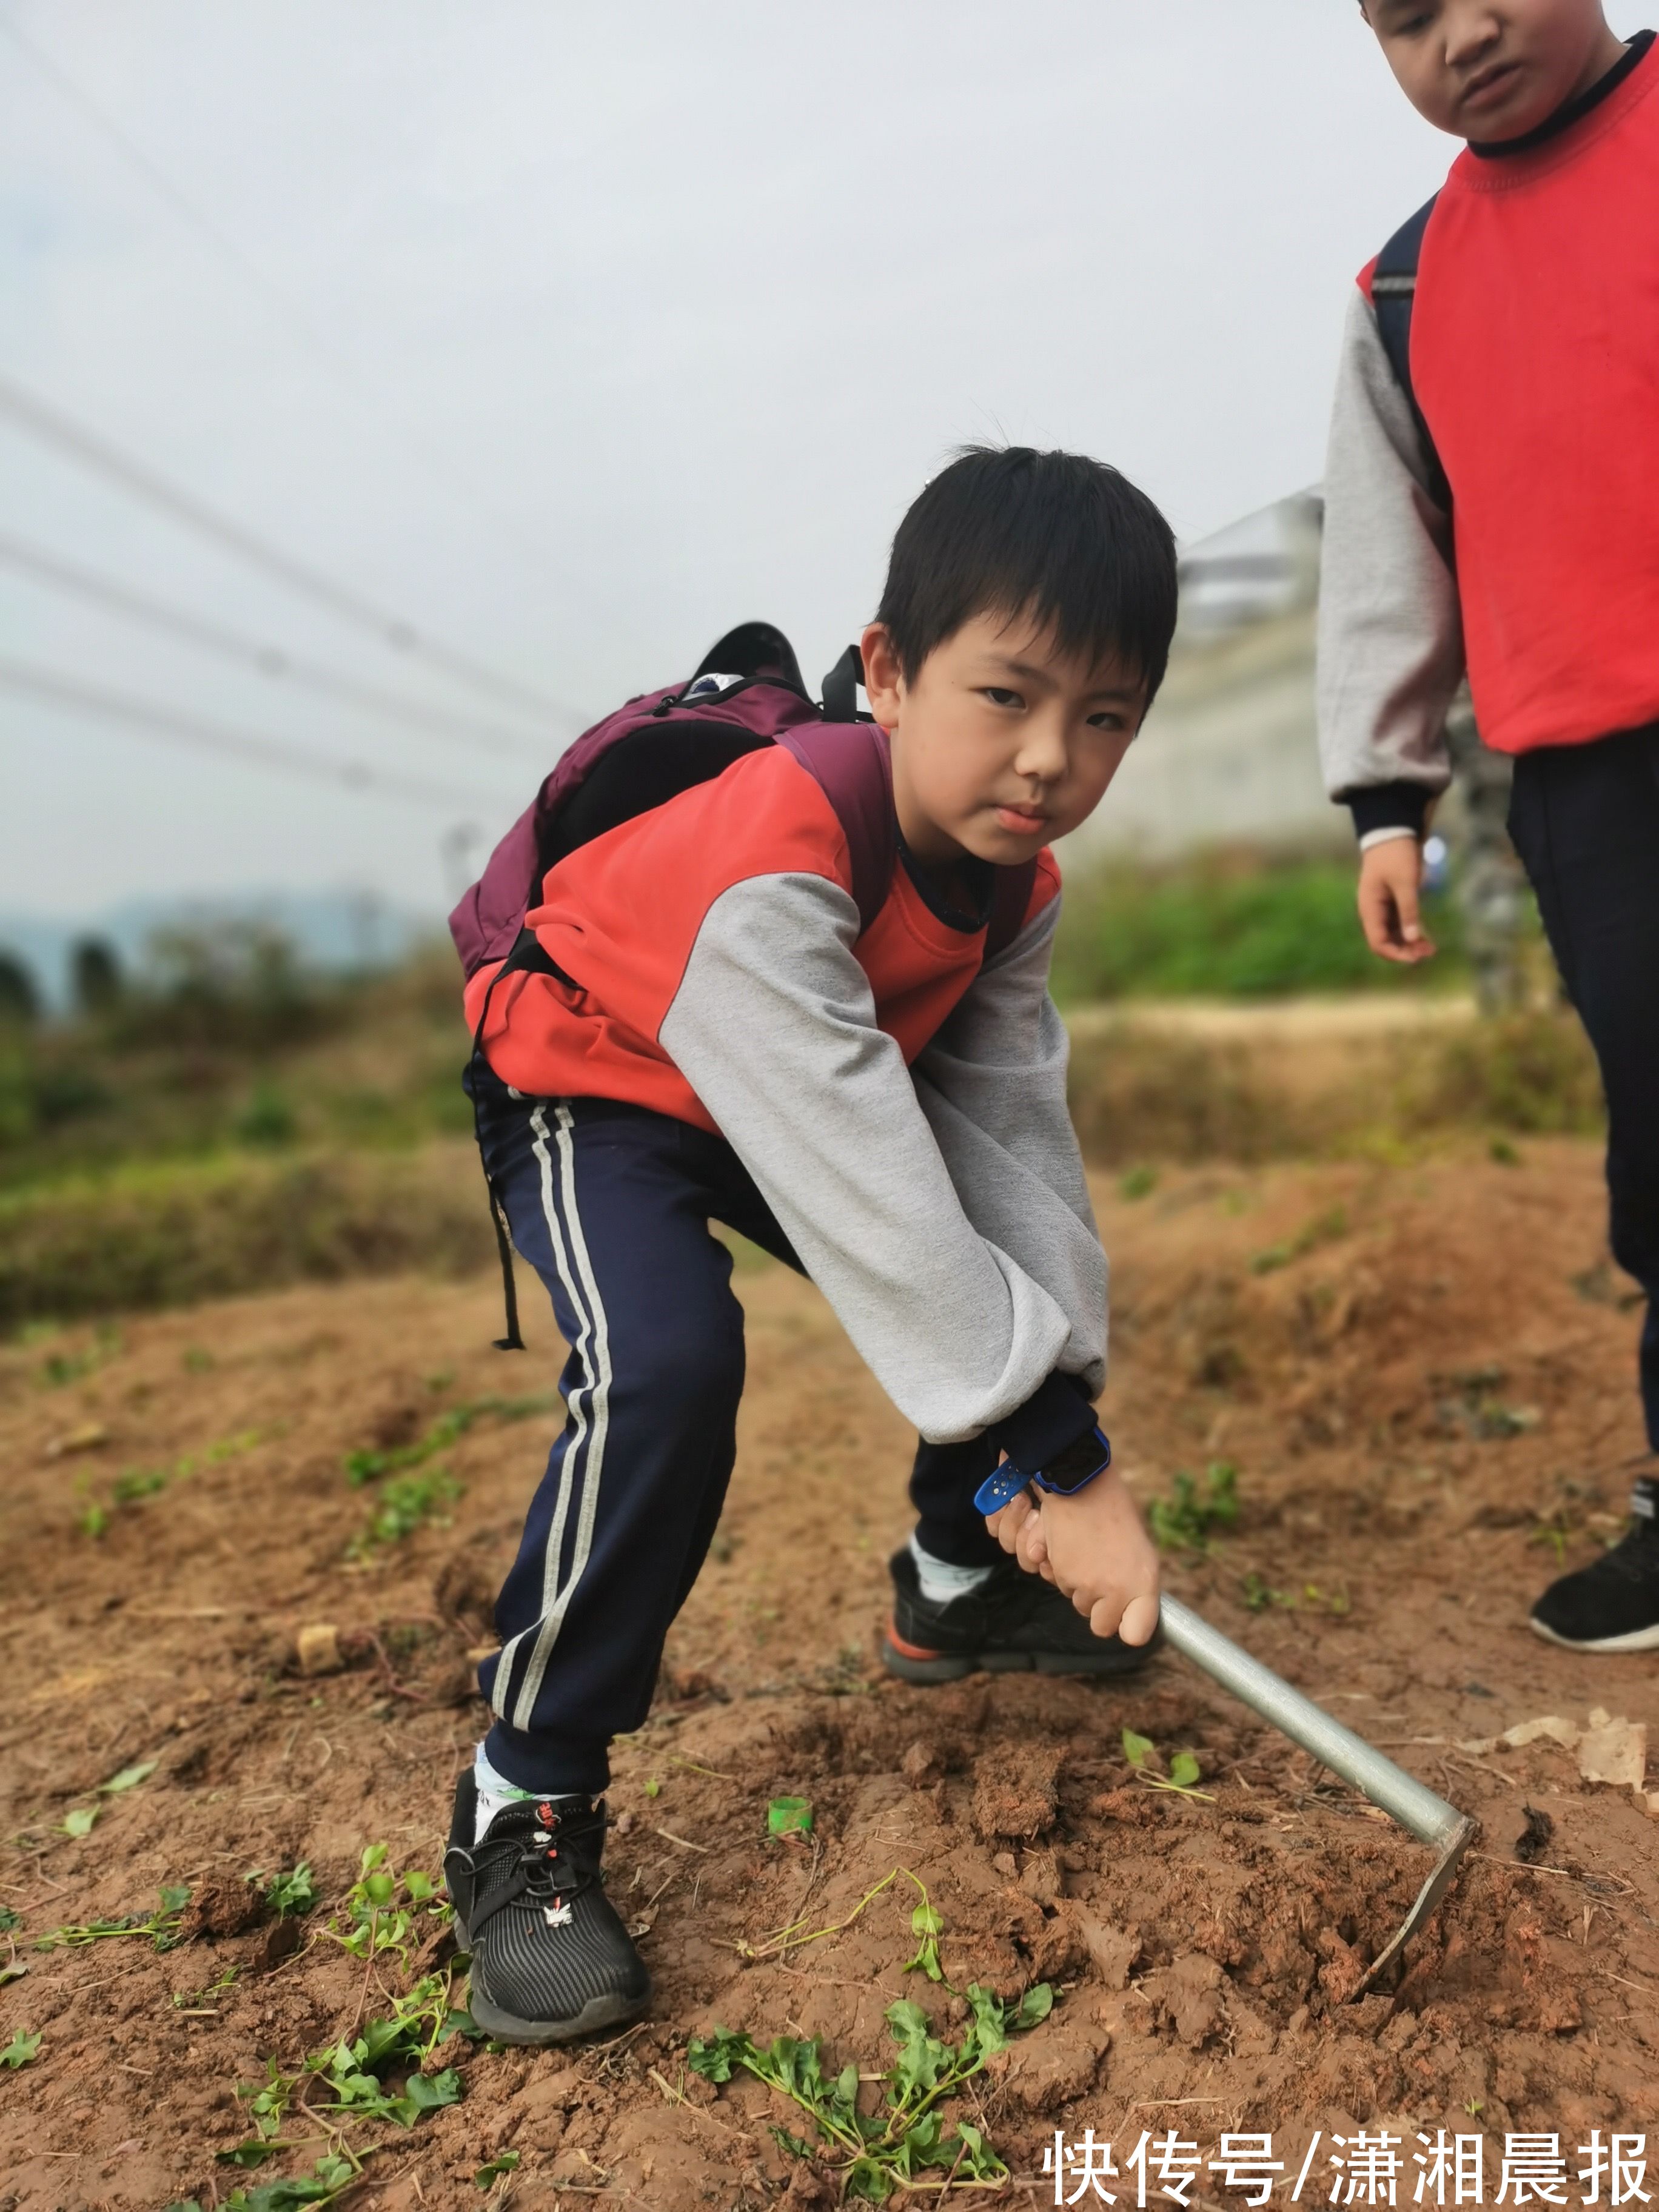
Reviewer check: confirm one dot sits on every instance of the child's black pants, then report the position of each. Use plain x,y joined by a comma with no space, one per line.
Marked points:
610,1204
1585,821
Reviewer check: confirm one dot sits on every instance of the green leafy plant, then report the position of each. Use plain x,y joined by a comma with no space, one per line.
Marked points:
59,1369
789,1816
352,2084
407,1502
161,1926
23,2051
135,1484
9,1920
1182,1773
1258,1594
876,2153
1324,1229
925,1923
290,1895
505,2161
1138,1182
369,1464
382,1908
201,2000
1186,1521
128,1779
330,2177
79,1821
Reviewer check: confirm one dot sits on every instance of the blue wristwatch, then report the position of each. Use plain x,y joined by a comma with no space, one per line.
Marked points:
1068,1471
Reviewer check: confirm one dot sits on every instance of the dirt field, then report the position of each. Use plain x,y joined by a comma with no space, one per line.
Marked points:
1424,1378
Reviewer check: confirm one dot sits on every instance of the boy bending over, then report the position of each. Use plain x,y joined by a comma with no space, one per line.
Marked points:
1492,496
881,1106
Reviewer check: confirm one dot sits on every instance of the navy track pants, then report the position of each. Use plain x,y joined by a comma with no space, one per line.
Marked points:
610,1204
1585,821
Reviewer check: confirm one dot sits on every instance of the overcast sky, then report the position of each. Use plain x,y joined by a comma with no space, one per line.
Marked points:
574,334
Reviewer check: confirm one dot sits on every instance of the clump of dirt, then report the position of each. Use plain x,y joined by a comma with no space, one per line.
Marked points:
1204,1948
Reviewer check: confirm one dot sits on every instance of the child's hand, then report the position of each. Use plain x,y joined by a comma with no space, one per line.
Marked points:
1094,1548
1390,876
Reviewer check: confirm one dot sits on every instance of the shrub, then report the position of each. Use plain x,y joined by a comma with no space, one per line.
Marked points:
1229,929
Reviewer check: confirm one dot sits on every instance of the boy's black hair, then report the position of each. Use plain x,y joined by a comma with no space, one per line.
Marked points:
1057,537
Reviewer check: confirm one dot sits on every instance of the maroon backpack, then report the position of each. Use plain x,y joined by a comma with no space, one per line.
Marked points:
746,692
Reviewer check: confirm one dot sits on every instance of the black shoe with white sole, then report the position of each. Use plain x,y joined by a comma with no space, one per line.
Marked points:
1013,1621
1612,1605
552,1960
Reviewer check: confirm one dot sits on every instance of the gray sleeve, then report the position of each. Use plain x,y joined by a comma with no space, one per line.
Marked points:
1390,637
773,1026
993,1086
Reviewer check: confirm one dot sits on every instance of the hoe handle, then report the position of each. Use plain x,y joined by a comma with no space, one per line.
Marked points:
1428,1818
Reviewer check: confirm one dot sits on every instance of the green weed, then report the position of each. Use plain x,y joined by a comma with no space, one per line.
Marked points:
407,1502
789,1816
1324,1229
1186,1521
201,2000
23,2051
135,1484
1258,1596
368,1464
345,2087
1182,1770
128,1779
58,1369
877,2152
926,1923
161,1926
1139,1183
381,1907
1553,1534
290,1895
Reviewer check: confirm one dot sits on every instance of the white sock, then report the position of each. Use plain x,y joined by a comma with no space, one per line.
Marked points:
940,1582
496,1793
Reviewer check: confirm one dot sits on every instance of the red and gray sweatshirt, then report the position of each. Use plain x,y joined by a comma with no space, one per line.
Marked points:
900,1101
1535,362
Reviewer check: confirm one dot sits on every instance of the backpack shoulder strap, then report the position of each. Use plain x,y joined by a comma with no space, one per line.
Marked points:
851,764
1393,291
1010,897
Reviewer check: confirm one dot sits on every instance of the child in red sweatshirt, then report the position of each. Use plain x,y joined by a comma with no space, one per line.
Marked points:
1492,501
718,1025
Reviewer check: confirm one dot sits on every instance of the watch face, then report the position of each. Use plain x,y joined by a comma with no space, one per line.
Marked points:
1079,1464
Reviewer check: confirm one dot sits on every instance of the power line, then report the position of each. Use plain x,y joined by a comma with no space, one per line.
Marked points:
271,660
343,600
293,318
176,727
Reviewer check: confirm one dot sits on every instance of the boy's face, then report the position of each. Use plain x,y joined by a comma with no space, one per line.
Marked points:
1000,744
1492,70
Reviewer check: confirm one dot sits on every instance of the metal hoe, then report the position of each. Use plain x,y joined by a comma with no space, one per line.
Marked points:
1428,1818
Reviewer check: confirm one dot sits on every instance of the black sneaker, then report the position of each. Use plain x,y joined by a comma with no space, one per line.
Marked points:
1013,1621
550,1959
1613,1605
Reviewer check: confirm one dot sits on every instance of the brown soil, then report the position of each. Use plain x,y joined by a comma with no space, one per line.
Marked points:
1428,1373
